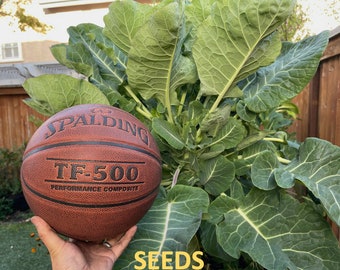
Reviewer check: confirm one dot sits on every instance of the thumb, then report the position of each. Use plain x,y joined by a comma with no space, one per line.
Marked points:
49,237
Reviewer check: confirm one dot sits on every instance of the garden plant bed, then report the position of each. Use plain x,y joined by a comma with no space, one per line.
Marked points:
20,246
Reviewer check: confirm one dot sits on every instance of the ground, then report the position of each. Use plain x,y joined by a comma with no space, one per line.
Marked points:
20,246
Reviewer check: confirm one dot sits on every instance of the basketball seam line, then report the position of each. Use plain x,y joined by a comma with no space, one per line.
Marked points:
121,145
88,205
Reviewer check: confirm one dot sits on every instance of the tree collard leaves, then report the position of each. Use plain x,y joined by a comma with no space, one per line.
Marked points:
232,43
124,19
212,80
95,56
168,132
275,230
107,57
216,175
262,174
88,47
197,11
63,92
156,66
168,226
287,76
318,167
243,164
228,135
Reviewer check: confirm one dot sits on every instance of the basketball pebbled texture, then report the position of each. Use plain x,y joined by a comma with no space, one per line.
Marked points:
91,171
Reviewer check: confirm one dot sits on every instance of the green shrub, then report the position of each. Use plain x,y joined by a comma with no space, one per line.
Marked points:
10,163
6,207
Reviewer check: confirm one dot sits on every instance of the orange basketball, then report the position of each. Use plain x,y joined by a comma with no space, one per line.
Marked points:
91,171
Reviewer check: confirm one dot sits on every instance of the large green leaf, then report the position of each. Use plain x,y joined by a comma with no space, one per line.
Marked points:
287,76
74,56
156,67
53,93
168,226
92,54
197,11
213,122
276,231
216,174
209,241
110,62
124,20
168,132
256,146
229,135
318,167
262,170
234,42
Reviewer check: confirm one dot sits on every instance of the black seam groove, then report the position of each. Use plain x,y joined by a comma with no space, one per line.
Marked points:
88,205
121,145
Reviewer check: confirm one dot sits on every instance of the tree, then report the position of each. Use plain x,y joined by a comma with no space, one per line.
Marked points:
309,18
293,28
16,9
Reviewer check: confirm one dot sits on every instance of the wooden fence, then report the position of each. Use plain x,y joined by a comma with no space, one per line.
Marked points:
319,103
15,125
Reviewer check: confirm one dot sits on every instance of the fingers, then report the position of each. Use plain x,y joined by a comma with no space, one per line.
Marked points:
119,245
49,237
54,243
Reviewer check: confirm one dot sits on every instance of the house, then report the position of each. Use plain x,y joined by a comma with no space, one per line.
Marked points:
27,54
31,47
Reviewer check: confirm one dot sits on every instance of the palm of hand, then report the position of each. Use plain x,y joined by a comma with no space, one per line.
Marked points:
82,255
78,255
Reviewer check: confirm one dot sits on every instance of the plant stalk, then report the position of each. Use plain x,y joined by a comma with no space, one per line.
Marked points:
141,109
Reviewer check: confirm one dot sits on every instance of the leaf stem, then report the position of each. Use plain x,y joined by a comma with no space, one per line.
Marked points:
168,104
269,139
181,103
144,113
206,101
283,160
141,109
175,177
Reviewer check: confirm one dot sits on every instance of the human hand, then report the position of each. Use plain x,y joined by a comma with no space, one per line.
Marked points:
74,254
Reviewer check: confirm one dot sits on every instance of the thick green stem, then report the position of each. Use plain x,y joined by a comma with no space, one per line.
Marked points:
181,104
168,107
283,160
141,109
274,140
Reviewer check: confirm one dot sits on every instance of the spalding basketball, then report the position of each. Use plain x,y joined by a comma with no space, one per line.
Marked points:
91,171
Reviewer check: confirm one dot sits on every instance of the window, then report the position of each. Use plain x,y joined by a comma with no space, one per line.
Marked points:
10,52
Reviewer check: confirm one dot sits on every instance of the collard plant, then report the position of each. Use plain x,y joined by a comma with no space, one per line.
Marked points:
213,81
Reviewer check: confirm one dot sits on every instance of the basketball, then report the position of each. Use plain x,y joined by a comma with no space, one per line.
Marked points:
91,171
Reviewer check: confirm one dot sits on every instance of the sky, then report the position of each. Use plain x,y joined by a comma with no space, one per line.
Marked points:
317,10
321,14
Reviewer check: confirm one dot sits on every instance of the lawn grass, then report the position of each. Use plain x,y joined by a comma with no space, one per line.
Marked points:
20,246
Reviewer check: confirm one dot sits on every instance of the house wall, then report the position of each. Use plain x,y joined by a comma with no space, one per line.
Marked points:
38,51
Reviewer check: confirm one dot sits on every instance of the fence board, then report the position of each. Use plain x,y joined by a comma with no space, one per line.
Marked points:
329,96
15,125
337,130
320,116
